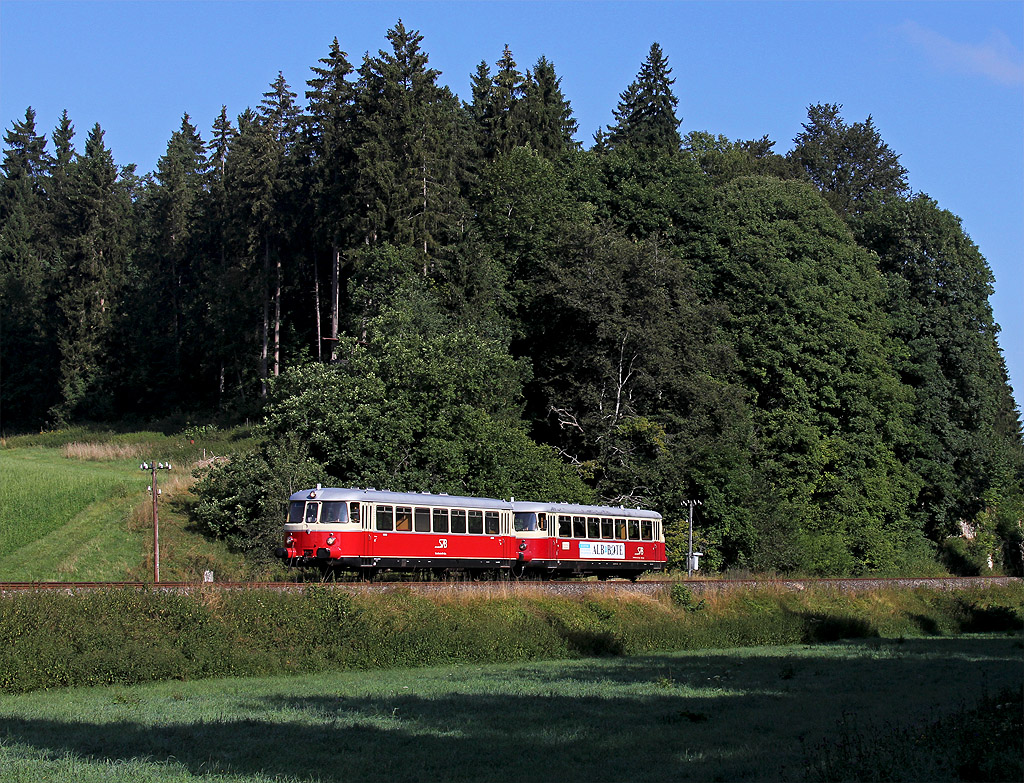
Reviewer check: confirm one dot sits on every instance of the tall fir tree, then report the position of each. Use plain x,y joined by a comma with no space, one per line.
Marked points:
645,118
413,149
550,125
95,219
26,276
331,97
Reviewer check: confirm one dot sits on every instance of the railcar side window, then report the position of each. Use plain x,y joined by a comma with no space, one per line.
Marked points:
385,517
458,520
491,527
422,521
440,520
476,521
542,521
403,518
295,511
634,530
312,512
564,526
353,512
606,528
647,530
593,527
334,512
620,529
579,527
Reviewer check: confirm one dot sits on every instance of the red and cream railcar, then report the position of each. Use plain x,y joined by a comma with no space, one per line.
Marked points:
370,530
367,530
562,539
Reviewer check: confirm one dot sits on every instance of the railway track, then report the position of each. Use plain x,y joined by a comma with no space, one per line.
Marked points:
652,587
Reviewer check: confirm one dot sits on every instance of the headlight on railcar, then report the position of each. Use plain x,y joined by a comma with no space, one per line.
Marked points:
522,546
331,540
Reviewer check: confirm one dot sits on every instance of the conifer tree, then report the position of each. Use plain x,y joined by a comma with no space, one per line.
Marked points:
850,164
26,276
550,125
95,220
645,118
330,123
412,152
168,301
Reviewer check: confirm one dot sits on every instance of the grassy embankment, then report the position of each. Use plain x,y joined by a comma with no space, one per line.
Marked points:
75,507
131,635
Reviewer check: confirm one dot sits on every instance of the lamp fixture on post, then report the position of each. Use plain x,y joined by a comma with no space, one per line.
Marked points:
154,467
689,553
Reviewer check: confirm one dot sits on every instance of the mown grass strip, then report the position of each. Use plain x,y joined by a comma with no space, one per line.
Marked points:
42,490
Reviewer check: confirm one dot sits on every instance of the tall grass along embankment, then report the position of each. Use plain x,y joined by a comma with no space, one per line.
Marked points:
125,636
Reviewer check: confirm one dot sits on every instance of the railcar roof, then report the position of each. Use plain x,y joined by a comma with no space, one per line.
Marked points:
572,508
399,498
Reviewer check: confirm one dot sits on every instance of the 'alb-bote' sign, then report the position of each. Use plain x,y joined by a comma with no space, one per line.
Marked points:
602,549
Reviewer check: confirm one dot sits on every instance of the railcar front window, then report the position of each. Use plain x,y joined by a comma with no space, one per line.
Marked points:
312,512
476,522
385,517
458,520
422,520
334,512
440,520
295,511
647,530
524,521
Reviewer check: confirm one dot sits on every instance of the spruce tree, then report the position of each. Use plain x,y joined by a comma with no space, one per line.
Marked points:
547,113
95,220
645,118
413,149
26,277
331,129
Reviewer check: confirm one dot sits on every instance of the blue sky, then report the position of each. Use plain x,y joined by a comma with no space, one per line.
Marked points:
944,81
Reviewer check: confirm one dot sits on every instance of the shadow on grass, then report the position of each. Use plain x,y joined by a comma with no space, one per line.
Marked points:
664,717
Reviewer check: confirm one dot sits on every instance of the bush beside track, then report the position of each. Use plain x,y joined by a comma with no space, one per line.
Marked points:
127,636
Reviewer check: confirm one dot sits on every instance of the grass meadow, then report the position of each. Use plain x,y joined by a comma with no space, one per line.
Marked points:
75,507
877,709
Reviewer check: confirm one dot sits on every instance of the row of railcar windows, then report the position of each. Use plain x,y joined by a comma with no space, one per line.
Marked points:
601,527
438,520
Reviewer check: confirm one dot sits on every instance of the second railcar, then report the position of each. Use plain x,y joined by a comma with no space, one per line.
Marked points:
563,539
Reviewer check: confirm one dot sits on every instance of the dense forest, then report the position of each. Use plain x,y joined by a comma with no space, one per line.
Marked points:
413,291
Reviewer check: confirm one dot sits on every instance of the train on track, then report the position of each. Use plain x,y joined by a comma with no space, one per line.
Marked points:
368,531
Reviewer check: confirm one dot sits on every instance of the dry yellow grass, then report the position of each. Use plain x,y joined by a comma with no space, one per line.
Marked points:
102,452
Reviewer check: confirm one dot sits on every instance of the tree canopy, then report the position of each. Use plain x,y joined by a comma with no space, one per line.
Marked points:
418,292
